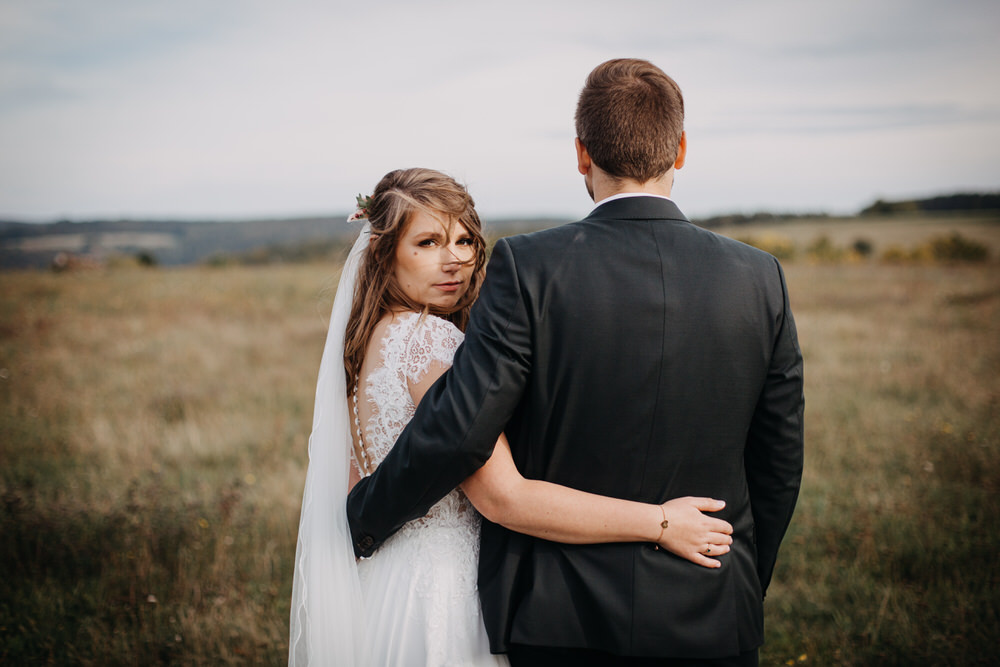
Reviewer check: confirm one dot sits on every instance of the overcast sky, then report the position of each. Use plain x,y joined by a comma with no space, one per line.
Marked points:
235,108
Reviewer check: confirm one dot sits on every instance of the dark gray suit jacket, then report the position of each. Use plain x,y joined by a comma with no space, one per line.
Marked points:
630,354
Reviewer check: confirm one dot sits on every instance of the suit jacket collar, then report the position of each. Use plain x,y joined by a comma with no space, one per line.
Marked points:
638,208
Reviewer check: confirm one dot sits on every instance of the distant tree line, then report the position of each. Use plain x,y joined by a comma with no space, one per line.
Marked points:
958,202
760,217
981,201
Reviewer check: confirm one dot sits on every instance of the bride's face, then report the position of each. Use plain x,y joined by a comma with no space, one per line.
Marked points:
434,260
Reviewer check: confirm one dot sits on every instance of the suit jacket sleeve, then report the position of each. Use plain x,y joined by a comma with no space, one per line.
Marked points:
774,450
460,418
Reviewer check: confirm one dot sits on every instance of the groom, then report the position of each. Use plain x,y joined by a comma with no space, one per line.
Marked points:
630,354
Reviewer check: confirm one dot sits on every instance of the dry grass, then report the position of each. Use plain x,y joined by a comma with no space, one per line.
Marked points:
153,426
889,556
153,430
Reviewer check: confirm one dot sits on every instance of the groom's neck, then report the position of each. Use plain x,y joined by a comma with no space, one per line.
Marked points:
605,186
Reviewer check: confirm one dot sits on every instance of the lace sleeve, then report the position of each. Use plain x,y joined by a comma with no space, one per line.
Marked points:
432,342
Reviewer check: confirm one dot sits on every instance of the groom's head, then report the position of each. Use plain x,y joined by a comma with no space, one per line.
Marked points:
630,118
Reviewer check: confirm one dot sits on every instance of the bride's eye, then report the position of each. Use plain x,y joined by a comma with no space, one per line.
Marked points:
466,240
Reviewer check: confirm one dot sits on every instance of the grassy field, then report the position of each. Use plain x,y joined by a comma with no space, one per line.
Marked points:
153,428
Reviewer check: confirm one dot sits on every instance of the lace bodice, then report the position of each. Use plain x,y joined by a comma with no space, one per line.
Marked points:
421,600
412,345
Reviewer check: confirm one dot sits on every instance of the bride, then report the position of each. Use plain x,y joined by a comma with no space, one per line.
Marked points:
402,304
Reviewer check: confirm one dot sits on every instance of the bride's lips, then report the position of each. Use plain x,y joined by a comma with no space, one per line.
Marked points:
449,286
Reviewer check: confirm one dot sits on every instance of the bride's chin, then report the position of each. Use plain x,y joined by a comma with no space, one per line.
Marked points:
445,303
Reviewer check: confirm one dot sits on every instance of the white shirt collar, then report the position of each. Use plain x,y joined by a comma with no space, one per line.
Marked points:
623,195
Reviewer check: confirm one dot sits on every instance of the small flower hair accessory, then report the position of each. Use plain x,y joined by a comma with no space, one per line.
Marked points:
361,213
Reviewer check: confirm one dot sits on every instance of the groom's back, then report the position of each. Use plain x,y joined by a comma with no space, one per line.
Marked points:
651,340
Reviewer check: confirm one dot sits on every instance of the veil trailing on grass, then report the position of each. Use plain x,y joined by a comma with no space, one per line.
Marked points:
327,619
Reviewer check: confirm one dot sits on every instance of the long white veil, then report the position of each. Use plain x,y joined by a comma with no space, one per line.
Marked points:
327,618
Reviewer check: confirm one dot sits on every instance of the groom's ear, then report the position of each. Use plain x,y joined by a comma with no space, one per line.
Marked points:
682,150
583,162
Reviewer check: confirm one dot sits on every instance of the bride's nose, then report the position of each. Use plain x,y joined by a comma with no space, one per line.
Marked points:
452,262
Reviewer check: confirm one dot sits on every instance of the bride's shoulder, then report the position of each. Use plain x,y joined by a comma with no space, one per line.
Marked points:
423,340
424,325
443,326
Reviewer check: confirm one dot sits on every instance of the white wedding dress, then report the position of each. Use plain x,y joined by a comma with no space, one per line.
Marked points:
419,588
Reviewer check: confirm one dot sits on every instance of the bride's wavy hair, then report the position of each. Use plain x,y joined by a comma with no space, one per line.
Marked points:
399,195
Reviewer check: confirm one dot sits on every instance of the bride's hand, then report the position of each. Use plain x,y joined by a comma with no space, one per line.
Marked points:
693,535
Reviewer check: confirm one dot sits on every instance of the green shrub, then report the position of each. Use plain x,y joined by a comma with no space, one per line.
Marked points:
896,254
824,250
863,247
946,248
145,258
957,248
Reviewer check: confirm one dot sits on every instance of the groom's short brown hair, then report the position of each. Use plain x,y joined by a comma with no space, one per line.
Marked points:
630,117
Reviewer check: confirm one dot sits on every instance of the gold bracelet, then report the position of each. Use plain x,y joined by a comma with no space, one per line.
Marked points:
663,524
